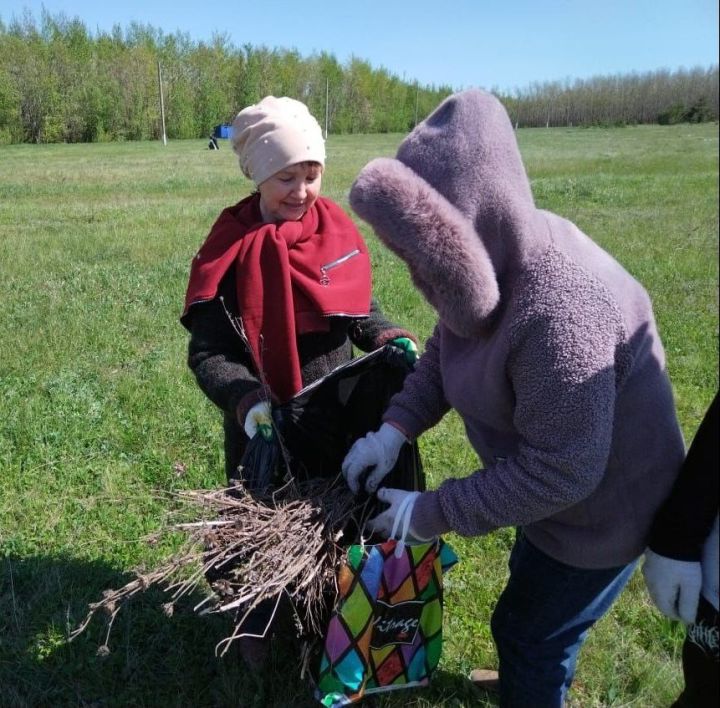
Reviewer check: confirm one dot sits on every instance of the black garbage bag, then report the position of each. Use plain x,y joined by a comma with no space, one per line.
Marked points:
259,463
316,429
322,421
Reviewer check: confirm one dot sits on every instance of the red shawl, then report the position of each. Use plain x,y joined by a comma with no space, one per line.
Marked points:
290,277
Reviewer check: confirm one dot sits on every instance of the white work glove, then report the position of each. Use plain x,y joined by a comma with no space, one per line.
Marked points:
674,585
259,420
387,523
379,451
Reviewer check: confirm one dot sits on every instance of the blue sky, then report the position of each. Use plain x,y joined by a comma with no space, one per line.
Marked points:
461,43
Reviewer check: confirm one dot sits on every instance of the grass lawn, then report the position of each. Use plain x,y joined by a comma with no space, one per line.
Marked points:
99,407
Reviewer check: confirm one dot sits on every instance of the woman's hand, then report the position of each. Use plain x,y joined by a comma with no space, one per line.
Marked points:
399,501
259,420
408,347
376,451
674,585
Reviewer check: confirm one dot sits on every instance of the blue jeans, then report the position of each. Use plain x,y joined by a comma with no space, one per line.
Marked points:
542,619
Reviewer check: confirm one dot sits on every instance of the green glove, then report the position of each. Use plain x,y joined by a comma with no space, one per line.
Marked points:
265,429
409,348
259,420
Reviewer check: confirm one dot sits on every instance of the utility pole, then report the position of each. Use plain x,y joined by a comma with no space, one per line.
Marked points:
162,104
327,105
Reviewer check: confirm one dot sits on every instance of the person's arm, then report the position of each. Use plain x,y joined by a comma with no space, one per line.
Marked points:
421,403
687,516
674,564
562,370
220,361
375,330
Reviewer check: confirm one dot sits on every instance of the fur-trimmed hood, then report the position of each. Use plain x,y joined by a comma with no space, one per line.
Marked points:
456,206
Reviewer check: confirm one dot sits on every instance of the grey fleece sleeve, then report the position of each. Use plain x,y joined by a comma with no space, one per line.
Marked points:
562,365
421,402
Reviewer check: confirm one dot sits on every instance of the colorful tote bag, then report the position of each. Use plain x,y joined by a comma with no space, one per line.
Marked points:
385,632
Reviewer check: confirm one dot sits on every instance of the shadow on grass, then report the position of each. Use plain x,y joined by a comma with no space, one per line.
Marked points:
154,660
449,690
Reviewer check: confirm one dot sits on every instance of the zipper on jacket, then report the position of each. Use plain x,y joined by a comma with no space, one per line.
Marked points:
324,277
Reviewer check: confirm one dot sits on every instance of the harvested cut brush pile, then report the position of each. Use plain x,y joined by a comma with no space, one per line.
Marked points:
251,548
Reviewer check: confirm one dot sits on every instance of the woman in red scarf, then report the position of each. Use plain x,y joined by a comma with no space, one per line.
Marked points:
281,289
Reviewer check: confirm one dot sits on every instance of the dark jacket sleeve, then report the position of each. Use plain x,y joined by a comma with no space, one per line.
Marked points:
686,518
372,332
217,355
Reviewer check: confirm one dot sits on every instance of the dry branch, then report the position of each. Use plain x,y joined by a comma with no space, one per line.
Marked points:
252,549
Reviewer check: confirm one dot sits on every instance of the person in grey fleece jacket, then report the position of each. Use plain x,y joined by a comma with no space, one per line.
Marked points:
548,350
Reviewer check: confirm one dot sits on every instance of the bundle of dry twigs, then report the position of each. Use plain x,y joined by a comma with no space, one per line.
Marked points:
252,549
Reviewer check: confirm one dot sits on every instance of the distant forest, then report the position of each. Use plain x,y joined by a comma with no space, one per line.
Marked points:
60,82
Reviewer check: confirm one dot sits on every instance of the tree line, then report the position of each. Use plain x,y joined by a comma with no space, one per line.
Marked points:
663,96
61,83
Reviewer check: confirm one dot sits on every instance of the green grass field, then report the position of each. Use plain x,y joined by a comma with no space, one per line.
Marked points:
99,407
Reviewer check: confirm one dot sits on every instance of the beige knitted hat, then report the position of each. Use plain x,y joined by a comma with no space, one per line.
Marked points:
273,134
